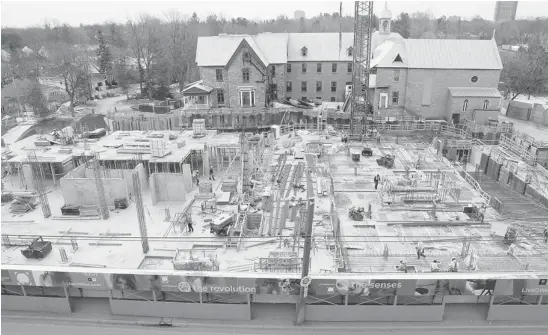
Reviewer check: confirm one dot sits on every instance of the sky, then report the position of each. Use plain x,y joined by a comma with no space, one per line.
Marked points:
20,13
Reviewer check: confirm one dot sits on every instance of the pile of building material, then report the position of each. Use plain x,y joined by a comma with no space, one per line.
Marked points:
23,204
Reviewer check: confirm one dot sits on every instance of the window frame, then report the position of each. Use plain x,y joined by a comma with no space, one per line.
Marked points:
465,105
221,93
397,96
333,87
396,76
289,86
349,67
319,68
486,104
251,97
304,51
288,68
332,99
319,87
246,72
333,67
350,51
218,78
303,67
304,86
273,71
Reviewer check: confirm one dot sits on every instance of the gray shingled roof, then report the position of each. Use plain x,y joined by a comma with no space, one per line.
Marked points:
324,47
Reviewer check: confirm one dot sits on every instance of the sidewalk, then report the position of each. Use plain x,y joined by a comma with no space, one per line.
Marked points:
97,311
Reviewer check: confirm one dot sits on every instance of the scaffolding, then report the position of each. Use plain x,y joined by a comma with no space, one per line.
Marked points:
38,180
363,18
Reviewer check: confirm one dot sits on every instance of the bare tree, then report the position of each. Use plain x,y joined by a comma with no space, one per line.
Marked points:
177,53
73,66
527,72
146,45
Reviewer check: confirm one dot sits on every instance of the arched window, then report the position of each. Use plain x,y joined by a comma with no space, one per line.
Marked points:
485,104
465,105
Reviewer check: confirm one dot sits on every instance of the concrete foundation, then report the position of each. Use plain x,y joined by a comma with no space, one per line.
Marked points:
181,310
167,187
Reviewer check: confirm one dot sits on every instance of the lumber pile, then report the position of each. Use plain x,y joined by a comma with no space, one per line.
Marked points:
22,205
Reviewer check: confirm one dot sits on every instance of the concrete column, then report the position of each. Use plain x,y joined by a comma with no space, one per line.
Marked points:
52,173
205,161
23,290
154,296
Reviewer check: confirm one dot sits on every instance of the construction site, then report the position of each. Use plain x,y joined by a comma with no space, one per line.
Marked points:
314,214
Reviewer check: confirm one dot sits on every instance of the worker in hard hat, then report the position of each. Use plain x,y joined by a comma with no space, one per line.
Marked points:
453,265
435,266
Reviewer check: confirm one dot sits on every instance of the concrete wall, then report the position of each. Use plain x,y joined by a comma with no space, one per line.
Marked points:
517,313
181,310
325,76
441,79
80,191
167,187
36,304
374,313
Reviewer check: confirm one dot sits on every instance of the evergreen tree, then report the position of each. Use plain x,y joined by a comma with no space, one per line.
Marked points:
103,52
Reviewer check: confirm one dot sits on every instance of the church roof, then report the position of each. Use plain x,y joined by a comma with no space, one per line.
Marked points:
440,54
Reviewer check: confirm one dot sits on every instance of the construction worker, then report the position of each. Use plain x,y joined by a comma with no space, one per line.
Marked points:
545,233
211,176
189,224
453,265
402,267
434,266
378,138
377,180
420,250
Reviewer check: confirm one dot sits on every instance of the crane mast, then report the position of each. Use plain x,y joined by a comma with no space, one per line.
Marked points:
363,19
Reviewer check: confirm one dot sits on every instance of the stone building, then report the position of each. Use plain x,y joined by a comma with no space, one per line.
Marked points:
433,79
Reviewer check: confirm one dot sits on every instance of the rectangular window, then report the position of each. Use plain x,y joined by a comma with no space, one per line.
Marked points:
396,75
332,99
334,67
303,67
289,86
220,97
273,71
318,86
303,86
245,75
395,98
333,86
349,68
219,74
288,68
247,98
246,56
319,67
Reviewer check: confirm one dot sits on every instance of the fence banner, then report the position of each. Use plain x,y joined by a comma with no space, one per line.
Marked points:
95,281
365,287
16,277
184,284
454,287
520,287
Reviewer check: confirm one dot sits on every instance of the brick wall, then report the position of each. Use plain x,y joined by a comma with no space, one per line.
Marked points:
442,79
312,76
385,77
475,104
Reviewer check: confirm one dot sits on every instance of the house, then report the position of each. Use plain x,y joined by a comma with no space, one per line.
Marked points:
438,79
242,72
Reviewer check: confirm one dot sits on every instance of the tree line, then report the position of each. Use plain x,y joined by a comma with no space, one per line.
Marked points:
159,51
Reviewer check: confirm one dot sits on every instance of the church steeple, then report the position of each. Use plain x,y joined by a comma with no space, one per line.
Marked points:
385,20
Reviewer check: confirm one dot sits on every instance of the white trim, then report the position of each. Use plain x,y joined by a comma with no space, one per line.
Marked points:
251,97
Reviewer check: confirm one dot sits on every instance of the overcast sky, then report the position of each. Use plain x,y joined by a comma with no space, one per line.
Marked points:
28,13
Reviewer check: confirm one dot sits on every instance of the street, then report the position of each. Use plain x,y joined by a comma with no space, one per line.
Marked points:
46,327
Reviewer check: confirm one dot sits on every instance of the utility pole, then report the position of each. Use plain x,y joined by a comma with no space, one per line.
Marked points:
301,304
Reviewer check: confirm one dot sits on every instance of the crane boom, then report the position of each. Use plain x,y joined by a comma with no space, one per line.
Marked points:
363,19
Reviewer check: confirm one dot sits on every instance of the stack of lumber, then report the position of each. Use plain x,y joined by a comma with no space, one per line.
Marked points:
22,205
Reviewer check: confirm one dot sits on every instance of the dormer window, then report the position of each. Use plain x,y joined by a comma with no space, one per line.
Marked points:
398,58
304,51
349,51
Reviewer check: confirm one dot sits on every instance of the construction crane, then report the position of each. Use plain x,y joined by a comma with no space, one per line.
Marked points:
359,99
